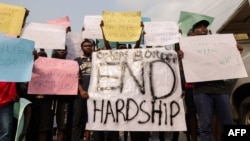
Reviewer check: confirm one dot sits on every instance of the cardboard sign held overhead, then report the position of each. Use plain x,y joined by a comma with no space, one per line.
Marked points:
92,27
161,33
46,36
61,21
11,18
122,26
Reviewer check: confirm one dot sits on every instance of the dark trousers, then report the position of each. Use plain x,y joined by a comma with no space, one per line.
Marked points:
139,136
106,135
79,118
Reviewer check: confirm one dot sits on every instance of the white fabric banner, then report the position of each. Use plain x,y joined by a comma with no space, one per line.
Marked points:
135,90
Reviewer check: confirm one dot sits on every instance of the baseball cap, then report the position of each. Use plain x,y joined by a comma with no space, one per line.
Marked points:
201,22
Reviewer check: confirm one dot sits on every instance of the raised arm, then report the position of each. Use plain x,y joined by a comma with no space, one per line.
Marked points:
138,42
106,43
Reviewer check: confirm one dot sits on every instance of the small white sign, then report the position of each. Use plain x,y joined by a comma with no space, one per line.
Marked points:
211,57
161,33
45,36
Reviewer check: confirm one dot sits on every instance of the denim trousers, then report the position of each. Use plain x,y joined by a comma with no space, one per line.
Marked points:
6,121
209,104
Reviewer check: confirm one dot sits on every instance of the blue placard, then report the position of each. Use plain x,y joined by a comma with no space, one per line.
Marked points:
16,59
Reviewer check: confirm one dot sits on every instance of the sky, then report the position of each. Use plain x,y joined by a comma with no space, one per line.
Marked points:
42,11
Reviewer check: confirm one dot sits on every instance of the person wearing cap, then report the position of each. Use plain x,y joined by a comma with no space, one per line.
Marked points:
211,96
200,28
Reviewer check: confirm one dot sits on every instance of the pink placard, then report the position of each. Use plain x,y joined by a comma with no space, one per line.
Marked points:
61,21
54,77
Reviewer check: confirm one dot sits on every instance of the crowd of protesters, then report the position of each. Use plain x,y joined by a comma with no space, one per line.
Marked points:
203,100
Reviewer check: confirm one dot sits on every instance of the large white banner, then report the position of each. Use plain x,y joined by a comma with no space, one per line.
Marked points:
211,57
135,90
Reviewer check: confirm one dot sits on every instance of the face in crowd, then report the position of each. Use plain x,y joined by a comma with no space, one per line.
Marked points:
200,30
61,53
87,47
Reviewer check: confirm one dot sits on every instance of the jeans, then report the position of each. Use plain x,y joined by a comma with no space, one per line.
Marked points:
209,104
6,121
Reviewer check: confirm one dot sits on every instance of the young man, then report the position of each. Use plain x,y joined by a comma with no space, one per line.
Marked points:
211,96
40,124
80,115
62,105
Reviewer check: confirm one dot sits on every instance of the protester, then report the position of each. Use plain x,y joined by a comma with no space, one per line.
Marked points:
42,113
42,53
24,132
44,107
87,133
62,105
8,94
80,115
211,96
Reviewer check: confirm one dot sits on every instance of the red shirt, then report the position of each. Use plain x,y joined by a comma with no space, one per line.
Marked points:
8,92
188,85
